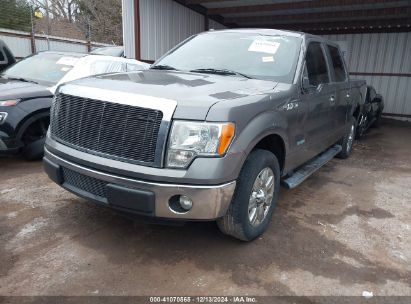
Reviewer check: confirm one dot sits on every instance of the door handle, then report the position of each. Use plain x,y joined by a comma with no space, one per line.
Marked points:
332,100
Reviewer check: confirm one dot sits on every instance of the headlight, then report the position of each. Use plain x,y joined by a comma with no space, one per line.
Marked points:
9,103
3,117
191,139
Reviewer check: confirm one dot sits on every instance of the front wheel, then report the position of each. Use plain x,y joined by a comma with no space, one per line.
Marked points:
34,139
377,122
255,197
347,141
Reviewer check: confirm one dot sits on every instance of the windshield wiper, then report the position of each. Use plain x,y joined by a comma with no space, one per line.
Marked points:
220,72
21,79
163,67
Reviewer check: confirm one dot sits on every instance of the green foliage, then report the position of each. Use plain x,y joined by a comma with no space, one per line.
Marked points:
15,14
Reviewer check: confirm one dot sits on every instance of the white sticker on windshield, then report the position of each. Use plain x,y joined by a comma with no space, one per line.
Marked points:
67,61
268,59
264,46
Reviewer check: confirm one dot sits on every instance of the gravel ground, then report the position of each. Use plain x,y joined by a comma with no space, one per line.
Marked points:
346,230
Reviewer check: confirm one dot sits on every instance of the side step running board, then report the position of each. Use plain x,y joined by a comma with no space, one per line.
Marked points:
309,168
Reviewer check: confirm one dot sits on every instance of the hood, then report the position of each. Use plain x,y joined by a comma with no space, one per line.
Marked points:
195,93
16,89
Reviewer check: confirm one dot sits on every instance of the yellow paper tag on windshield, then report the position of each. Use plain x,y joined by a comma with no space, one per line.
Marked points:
268,59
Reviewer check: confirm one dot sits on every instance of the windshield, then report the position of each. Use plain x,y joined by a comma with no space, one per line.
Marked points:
253,55
43,68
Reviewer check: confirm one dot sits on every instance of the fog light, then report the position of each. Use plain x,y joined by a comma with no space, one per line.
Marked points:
186,203
180,204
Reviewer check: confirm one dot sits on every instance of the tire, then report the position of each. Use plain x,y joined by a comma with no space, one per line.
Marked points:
34,138
237,222
361,127
377,122
347,141
34,150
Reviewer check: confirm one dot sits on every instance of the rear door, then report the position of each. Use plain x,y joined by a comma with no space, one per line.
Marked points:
319,96
338,108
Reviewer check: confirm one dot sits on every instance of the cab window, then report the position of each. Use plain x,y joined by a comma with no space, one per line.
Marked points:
316,64
338,64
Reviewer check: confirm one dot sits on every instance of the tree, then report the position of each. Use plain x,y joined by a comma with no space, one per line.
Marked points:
59,9
15,14
101,19
98,20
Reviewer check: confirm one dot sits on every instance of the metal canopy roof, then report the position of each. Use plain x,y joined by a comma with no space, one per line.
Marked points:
315,16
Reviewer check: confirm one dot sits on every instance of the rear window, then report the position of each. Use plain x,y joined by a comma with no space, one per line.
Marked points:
338,64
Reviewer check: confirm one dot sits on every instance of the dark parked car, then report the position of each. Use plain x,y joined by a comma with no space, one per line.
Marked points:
27,88
6,56
210,131
116,51
372,111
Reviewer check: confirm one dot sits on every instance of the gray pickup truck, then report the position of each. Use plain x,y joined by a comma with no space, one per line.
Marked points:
210,132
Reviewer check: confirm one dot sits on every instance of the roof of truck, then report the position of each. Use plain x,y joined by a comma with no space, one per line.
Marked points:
261,31
264,31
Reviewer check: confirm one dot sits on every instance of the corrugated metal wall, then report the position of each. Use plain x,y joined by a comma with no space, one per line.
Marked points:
20,43
20,46
164,24
43,45
382,53
128,28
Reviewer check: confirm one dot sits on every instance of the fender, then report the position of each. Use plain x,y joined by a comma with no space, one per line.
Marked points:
29,119
261,126
36,104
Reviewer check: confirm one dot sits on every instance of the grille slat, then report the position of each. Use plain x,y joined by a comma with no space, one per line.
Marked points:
110,129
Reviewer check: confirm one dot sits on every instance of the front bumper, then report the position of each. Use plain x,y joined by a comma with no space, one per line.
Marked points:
138,196
10,143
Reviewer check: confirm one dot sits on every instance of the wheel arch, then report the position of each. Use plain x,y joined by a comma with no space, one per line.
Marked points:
275,144
29,120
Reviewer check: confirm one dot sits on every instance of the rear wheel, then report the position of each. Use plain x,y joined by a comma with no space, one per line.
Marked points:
377,122
255,197
361,126
347,141
34,138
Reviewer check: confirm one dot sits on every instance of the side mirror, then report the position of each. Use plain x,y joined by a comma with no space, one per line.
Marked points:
307,87
306,82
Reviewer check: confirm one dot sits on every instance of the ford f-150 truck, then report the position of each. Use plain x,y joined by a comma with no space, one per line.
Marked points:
210,132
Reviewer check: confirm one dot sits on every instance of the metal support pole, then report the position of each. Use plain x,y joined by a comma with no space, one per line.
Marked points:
32,35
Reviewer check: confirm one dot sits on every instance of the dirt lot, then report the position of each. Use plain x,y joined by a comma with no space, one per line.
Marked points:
345,230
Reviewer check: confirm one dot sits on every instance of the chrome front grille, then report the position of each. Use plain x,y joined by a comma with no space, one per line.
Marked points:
111,130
